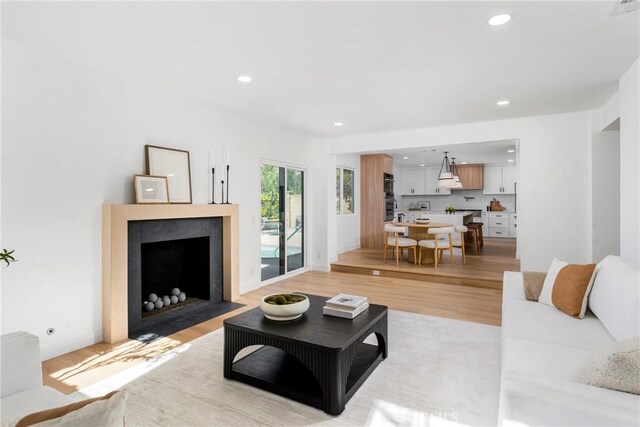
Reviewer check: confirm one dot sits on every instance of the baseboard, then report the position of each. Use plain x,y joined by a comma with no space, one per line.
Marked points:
349,248
321,267
70,344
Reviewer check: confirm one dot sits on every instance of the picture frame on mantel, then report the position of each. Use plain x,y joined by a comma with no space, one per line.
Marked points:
151,189
176,166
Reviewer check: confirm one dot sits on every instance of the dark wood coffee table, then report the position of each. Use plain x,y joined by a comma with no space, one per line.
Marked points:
316,359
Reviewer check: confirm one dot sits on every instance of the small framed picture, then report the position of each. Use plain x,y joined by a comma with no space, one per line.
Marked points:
151,189
175,165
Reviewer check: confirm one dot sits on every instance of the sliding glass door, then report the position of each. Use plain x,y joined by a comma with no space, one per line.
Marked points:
282,220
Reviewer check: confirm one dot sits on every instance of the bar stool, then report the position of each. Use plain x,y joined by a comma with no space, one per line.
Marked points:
474,231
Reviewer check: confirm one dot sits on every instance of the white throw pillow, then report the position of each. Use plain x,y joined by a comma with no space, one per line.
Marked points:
615,297
616,367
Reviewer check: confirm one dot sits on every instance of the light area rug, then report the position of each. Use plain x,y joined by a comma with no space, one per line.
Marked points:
439,372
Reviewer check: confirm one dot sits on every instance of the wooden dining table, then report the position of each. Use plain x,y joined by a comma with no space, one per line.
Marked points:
420,232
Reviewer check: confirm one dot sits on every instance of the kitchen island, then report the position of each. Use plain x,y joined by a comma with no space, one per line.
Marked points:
457,218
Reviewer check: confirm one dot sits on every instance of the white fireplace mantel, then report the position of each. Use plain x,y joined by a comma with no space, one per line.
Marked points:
115,218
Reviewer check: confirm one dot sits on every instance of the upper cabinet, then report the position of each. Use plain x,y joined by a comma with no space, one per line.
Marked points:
421,182
413,181
508,180
499,179
471,177
431,183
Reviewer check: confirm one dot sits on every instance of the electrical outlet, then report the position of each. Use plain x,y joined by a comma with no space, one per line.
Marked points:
375,272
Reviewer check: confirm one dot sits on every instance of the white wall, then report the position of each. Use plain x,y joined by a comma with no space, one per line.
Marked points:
554,201
629,99
605,184
72,138
348,226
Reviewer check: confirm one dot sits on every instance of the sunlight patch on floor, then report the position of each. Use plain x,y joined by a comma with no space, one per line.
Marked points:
115,361
123,378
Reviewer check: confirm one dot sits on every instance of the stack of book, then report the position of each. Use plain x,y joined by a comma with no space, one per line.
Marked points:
345,305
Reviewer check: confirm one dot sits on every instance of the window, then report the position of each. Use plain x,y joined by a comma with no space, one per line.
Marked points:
345,184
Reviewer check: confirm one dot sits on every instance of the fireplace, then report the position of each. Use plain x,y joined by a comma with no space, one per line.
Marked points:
175,275
154,249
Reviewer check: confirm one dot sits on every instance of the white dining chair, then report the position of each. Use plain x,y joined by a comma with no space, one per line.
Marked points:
394,241
441,242
457,240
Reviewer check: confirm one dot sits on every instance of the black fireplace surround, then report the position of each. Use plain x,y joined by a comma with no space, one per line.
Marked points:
175,253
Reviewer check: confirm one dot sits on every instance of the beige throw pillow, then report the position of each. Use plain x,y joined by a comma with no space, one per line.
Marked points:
567,286
616,367
533,281
105,411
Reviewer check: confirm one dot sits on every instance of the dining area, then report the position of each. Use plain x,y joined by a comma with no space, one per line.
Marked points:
426,242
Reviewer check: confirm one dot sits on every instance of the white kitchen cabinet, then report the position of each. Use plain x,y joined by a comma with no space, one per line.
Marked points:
499,179
492,180
485,223
431,183
508,179
513,225
498,224
413,182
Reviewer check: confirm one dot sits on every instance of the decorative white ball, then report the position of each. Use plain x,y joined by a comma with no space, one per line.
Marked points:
182,297
152,297
175,292
149,306
166,300
159,303
174,299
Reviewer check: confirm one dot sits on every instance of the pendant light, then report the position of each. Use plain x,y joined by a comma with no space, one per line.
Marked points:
445,177
454,171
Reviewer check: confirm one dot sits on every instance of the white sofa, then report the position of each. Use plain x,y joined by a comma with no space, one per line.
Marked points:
542,348
21,389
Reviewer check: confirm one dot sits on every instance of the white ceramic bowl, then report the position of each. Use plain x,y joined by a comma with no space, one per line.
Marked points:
285,311
423,221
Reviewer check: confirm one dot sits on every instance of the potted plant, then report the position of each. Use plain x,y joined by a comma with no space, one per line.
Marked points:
450,210
7,256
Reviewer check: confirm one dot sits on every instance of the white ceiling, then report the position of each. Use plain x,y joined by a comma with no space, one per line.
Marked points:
483,152
372,65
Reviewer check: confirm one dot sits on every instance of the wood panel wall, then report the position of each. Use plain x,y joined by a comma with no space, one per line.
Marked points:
372,170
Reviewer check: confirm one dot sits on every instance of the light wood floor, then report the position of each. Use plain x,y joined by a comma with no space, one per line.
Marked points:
484,269
81,368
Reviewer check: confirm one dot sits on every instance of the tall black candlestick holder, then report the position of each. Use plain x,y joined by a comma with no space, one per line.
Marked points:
222,187
227,202
213,186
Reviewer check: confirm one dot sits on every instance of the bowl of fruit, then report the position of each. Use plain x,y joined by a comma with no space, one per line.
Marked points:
284,306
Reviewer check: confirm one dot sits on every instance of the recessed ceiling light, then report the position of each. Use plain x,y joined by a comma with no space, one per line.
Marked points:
421,164
405,158
338,124
501,19
244,79
463,163
503,102
510,160
511,151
